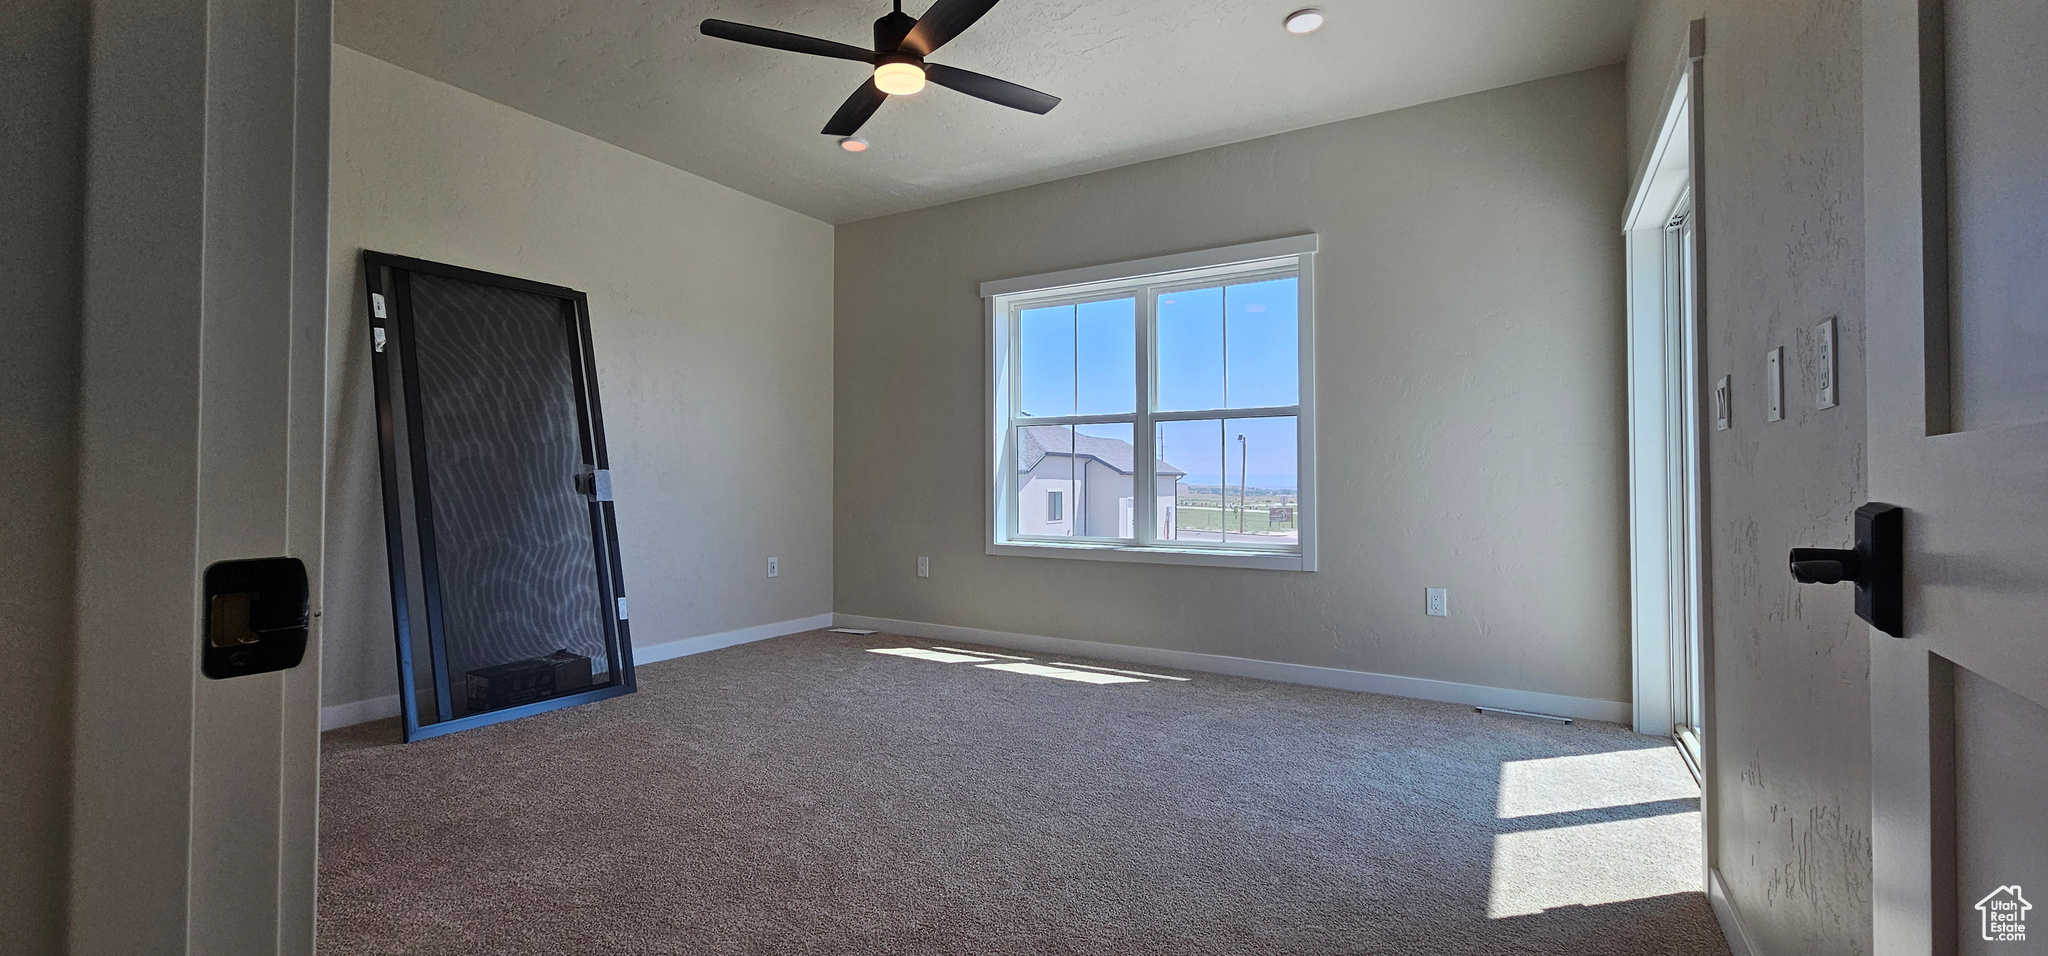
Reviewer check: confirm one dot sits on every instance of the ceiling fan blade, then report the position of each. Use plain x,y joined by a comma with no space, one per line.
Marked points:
856,110
944,21
780,40
989,88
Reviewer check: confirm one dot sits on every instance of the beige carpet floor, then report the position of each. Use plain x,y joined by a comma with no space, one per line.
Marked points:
804,795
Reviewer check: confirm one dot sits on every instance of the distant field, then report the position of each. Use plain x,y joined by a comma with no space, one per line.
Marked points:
1211,518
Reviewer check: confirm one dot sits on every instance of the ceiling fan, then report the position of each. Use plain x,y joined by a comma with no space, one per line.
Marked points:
901,44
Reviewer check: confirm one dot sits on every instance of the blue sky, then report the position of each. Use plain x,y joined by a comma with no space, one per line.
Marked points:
1210,452
1221,347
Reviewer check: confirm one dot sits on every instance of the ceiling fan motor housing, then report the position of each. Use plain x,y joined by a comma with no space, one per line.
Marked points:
891,29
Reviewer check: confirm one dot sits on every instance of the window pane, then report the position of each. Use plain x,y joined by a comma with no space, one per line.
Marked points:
1046,361
1190,470
1261,481
1262,332
1107,357
1102,500
1045,465
1075,482
1190,349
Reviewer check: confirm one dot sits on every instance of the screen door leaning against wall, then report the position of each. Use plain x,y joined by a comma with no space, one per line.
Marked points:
507,596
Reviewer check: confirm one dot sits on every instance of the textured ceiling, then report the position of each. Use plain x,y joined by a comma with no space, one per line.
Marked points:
1141,79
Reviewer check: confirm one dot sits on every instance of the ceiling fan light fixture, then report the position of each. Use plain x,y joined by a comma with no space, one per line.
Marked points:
853,144
898,78
1305,20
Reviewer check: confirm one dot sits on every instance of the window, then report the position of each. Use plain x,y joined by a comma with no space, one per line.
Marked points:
1157,411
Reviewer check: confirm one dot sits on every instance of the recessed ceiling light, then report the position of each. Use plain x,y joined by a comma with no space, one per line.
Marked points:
854,144
1306,20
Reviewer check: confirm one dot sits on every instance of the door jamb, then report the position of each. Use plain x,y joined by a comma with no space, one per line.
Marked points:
1643,221
1661,183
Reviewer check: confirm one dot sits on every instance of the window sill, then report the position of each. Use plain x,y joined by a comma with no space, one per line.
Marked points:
1263,560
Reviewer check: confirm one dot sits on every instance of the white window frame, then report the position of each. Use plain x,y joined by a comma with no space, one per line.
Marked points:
1004,299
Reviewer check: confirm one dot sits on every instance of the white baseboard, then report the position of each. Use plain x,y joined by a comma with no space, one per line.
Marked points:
1584,708
359,712
711,642
378,708
1724,913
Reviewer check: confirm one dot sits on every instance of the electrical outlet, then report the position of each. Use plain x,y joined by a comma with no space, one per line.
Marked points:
774,567
924,566
1438,602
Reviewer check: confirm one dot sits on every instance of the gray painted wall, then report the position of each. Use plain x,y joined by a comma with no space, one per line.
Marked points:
712,314
1783,224
1471,385
42,123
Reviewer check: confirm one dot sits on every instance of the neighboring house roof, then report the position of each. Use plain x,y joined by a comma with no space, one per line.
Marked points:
1037,441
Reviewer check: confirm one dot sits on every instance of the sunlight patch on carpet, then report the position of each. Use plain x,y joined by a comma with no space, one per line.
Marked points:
958,650
925,655
1119,670
1042,670
1619,778
1593,863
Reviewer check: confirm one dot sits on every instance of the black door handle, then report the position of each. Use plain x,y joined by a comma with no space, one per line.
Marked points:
1876,566
1825,566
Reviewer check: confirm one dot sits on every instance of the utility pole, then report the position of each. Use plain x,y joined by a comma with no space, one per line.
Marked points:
1244,457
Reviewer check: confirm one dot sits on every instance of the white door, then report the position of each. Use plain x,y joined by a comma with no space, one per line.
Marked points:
1956,166
201,440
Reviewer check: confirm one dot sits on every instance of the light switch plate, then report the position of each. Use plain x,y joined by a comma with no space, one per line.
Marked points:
377,305
1824,344
774,567
1437,602
924,566
1721,403
1774,384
